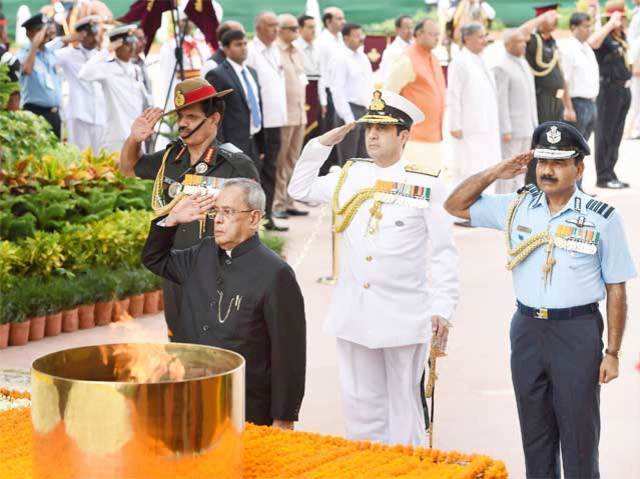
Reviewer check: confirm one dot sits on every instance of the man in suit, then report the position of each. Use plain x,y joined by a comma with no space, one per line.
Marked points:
243,117
517,110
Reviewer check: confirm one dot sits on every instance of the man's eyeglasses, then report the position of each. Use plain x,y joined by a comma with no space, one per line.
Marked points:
291,29
226,212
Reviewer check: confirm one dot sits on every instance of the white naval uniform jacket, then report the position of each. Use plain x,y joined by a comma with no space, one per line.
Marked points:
385,296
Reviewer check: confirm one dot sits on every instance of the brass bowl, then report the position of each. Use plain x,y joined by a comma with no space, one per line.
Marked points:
138,411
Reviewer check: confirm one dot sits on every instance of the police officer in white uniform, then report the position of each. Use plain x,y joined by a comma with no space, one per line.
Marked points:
385,309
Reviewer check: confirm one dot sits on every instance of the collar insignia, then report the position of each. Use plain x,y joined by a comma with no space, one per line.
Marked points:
553,135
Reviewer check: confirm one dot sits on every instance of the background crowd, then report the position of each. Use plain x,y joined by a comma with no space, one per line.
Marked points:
295,76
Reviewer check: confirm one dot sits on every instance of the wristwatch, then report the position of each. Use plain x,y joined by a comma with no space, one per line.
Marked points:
612,353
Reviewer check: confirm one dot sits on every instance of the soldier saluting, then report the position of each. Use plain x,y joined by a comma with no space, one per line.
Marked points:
200,109
567,252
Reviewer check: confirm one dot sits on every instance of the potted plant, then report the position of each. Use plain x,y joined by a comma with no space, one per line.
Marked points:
30,289
123,291
52,303
104,293
70,299
152,284
86,297
137,287
19,330
4,322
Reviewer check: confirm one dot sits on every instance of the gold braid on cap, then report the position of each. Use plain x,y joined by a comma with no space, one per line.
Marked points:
521,252
545,67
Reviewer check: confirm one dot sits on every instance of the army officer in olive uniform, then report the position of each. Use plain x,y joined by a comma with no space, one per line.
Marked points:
200,109
567,252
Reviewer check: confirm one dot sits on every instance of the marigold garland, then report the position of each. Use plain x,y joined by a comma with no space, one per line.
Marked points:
273,453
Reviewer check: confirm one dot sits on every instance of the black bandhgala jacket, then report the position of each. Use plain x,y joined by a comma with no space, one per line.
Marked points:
248,302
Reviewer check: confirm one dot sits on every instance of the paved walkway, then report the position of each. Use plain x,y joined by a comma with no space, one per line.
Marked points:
475,403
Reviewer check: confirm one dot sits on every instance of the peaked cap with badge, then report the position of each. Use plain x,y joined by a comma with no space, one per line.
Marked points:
90,23
123,32
38,20
194,90
557,140
389,108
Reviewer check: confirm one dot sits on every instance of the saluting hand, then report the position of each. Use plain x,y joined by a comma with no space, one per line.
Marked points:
335,136
190,209
508,169
143,126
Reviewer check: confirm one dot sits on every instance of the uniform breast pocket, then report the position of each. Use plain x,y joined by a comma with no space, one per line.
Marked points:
580,260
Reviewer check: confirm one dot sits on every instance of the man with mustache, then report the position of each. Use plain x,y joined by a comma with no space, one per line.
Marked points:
200,109
567,252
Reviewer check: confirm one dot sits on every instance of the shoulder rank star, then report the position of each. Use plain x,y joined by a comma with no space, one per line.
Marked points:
553,135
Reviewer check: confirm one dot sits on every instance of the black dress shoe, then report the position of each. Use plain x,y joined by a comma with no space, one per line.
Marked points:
281,215
612,185
271,226
295,212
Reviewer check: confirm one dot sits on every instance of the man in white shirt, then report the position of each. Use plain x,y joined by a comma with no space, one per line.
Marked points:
328,43
472,107
385,307
306,43
264,58
86,111
517,109
350,84
122,83
581,72
404,34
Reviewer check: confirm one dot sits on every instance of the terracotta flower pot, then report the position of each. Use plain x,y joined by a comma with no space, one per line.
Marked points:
136,306
120,309
4,335
102,313
151,302
161,300
36,331
86,316
53,326
19,333
70,320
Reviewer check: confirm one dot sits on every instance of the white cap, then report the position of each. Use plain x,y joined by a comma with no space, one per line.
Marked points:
383,104
88,19
122,30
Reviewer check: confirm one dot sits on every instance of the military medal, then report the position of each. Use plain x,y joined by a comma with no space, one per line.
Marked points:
402,193
201,168
174,189
577,239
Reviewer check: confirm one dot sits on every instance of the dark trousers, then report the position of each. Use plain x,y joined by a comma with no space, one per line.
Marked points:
327,123
586,114
172,294
353,145
554,367
267,168
613,104
550,108
48,113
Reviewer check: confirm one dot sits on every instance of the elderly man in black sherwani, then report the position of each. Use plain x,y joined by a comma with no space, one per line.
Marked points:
239,295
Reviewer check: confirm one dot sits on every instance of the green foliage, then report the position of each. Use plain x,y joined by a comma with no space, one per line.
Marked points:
11,309
273,242
22,135
7,87
54,208
10,261
102,283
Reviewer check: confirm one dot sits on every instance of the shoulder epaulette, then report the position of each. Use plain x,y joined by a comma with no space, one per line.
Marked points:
230,148
421,170
600,207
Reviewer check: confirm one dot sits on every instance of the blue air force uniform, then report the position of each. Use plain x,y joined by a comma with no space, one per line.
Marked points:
556,331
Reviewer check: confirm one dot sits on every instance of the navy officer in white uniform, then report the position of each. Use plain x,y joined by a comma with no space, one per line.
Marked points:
385,308
567,252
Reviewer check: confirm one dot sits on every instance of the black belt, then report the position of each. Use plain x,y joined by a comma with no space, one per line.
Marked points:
557,313
41,109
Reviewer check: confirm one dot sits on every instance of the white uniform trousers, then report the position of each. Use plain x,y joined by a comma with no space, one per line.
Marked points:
381,392
85,135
